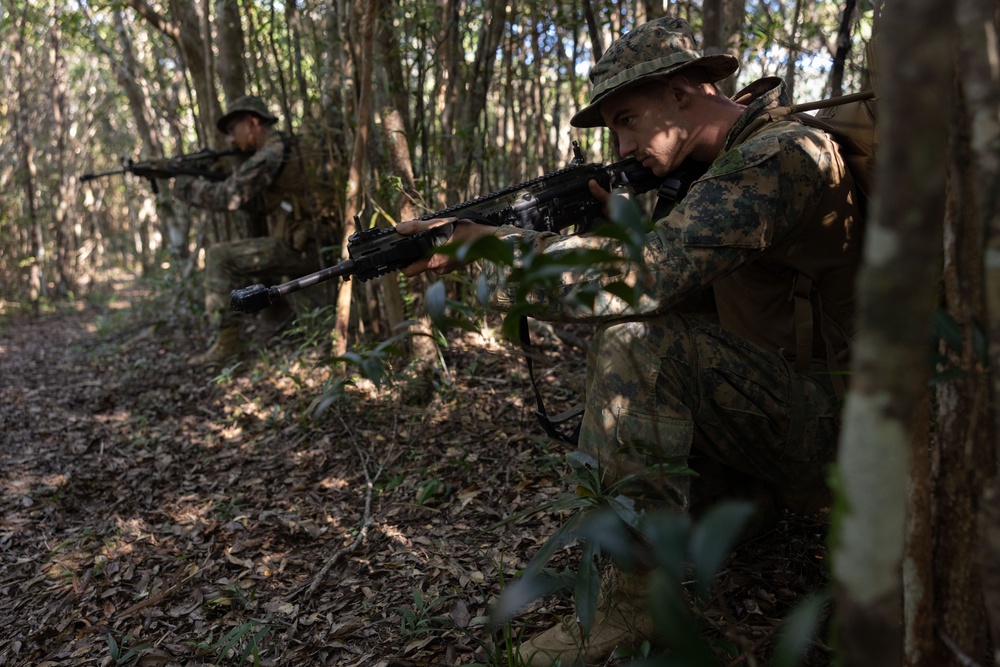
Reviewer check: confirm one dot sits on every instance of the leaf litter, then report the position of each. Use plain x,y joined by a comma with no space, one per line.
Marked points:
159,514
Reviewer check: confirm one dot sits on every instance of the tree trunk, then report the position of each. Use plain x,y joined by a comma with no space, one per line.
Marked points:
596,41
733,16
918,563
37,287
65,239
978,26
843,48
896,301
355,190
186,31
964,446
230,43
478,83
793,50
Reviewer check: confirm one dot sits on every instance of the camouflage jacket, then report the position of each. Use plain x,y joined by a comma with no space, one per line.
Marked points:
775,214
273,177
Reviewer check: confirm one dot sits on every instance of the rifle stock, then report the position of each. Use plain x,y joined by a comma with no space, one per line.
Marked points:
554,202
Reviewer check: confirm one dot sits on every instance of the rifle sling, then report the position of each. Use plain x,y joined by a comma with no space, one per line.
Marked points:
548,424
669,193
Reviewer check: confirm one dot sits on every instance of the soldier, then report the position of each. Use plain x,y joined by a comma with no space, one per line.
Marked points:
773,228
272,177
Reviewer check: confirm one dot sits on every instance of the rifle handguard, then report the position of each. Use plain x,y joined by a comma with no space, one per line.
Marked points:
552,203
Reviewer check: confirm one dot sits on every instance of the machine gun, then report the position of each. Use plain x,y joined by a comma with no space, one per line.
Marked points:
553,202
190,164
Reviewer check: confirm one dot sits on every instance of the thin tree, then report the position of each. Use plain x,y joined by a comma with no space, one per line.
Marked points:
355,186
897,296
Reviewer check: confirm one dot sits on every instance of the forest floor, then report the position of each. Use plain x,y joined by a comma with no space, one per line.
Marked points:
154,513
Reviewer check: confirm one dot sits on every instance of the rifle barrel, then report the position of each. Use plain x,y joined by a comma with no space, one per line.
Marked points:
92,176
258,297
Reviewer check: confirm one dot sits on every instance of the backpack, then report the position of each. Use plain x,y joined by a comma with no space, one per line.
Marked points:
850,120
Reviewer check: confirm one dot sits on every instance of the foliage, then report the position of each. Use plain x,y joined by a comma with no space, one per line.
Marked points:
243,643
83,55
663,547
122,655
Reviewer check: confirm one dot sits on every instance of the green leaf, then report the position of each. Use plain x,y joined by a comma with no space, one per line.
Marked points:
436,302
606,529
946,328
712,539
525,591
675,623
490,248
588,585
667,532
798,630
624,509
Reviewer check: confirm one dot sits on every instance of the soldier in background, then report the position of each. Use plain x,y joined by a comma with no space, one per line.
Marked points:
273,178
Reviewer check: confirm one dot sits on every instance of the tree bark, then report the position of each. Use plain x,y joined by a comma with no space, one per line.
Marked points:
964,446
65,193
355,191
596,41
230,43
37,287
185,30
843,48
896,300
978,26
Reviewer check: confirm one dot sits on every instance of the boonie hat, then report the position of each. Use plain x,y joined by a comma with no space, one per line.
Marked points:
246,104
662,46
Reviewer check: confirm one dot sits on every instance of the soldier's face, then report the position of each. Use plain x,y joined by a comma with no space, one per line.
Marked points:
648,126
240,132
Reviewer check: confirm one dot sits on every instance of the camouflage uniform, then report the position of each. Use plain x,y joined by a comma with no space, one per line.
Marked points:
774,215
272,176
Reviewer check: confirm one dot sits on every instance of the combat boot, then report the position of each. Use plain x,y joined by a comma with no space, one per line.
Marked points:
227,345
622,621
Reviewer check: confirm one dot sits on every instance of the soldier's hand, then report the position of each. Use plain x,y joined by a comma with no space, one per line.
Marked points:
458,230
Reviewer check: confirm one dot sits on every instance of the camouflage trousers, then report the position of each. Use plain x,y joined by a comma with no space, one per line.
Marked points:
235,264
674,386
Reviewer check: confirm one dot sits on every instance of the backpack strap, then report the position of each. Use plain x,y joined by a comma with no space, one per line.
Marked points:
802,288
286,142
804,296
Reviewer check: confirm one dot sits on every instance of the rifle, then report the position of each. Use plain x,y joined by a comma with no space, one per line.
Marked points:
170,167
553,202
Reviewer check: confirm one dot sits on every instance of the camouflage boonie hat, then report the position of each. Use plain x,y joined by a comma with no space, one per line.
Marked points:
663,46
246,104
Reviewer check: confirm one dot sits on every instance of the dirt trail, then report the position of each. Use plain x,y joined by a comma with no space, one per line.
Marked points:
181,513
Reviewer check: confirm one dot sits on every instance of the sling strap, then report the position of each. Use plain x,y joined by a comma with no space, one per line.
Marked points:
671,191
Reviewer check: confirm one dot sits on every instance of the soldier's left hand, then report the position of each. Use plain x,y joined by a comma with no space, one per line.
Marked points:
458,231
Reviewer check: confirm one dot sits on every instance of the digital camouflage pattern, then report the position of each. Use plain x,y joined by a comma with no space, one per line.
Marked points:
230,265
670,385
657,48
777,205
272,177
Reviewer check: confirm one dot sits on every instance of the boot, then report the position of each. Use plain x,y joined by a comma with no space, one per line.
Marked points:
622,621
227,345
